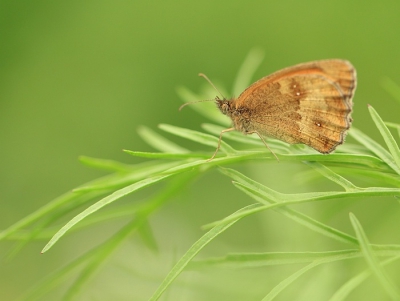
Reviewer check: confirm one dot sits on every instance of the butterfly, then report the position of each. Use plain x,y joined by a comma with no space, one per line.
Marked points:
309,103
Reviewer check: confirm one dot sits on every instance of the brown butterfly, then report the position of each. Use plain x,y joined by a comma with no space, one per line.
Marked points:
308,103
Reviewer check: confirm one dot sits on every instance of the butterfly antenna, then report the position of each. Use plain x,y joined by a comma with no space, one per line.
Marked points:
210,82
196,101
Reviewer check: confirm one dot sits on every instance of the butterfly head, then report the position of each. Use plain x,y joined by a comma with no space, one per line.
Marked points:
224,105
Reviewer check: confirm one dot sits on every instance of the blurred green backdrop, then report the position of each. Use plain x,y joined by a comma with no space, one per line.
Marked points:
79,77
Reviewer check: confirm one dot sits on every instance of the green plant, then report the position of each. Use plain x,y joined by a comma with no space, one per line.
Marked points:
179,166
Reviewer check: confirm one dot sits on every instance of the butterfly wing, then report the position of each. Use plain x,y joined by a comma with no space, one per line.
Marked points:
308,103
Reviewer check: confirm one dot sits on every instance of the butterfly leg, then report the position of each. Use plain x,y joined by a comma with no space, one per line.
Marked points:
219,142
265,143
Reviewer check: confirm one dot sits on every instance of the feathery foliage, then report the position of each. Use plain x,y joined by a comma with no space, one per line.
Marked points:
177,166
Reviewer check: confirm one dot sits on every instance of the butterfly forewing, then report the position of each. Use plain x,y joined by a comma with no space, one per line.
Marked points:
308,103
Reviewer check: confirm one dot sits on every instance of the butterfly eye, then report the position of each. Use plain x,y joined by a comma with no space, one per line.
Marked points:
224,107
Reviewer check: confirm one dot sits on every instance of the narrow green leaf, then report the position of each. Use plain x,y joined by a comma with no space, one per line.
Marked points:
394,126
292,199
247,69
205,164
274,196
266,196
392,88
167,155
354,159
387,136
289,280
246,139
56,278
256,260
99,254
374,177
334,177
198,137
234,135
137,173
375,148
87,192
373,263
318,261
191,253
160,142
59,276
147,235
140,223
103,202
47,209
105,164
343,292
95,262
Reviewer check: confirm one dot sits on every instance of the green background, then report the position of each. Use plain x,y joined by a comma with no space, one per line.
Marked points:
79,78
